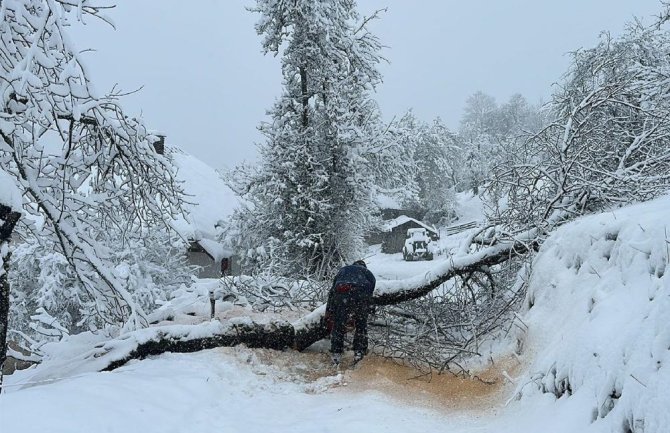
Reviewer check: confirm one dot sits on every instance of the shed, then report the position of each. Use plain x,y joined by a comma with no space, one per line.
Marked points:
394,233
212,258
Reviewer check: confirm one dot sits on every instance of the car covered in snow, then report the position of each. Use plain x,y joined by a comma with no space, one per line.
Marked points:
417,245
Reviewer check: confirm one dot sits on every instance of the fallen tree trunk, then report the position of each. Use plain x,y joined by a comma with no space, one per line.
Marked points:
276,335
302,333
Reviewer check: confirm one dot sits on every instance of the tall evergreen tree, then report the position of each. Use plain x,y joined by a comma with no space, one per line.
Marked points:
309,201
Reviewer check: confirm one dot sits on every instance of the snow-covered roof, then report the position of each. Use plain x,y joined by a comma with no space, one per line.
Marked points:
209,200
402,219
215,249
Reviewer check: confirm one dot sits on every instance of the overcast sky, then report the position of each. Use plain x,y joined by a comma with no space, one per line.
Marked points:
207,86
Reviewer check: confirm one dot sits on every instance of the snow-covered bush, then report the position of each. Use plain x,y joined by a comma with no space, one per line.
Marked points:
42,281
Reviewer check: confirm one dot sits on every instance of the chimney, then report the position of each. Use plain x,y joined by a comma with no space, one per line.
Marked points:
159,145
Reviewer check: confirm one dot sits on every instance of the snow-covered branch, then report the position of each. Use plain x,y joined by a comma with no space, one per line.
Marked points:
87,172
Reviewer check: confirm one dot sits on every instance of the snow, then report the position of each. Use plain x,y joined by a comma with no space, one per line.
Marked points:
402,219
595,356
393,267
385,201
216,250
469,207
9,193
209,200
600,296
220,390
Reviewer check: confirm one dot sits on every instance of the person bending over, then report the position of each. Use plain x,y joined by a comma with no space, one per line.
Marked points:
350,299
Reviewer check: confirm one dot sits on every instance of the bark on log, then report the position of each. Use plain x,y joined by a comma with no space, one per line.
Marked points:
277,335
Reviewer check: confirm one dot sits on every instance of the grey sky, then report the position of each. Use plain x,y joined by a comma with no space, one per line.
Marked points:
207,84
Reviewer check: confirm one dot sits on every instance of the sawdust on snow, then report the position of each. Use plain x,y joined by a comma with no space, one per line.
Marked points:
485,389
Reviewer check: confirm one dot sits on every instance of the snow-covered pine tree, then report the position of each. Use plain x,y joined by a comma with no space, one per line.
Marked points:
86,171
309,202
438,160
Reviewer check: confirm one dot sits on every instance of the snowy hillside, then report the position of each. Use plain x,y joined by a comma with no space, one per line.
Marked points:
598,326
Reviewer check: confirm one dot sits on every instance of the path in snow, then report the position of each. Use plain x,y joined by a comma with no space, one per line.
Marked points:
393,267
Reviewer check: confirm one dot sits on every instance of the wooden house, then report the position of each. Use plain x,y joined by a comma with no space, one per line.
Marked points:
212,258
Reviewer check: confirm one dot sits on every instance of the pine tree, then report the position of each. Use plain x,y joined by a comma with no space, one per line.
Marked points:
309,202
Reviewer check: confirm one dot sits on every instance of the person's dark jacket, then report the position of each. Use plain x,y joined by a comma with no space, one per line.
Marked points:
356,275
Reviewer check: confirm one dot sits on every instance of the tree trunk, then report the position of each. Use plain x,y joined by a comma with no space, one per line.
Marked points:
8,220
305,96
275,335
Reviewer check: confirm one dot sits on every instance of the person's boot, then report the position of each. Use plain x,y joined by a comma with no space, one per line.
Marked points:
336,358
358,355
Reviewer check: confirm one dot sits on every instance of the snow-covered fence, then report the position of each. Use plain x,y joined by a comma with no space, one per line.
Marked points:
452,230
455,229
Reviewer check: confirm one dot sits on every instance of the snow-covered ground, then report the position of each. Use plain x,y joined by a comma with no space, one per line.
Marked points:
598,322
244,390
595,358
469,207
220,390
393,267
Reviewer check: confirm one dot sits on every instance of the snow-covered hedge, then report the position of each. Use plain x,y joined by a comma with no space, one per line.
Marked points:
598,318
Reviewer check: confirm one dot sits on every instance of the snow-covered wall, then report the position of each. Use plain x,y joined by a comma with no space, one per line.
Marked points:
599,321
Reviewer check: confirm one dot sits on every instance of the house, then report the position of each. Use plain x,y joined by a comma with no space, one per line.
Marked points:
212,258
394,233
209,201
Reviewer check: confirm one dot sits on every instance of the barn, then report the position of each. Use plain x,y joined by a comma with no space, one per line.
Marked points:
394,233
